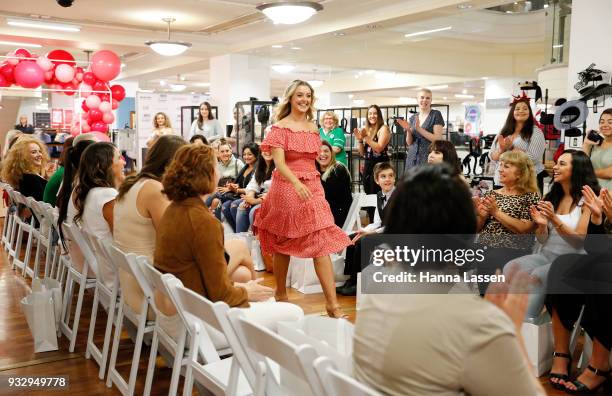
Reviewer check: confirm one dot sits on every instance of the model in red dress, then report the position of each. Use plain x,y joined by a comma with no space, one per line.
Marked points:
295,219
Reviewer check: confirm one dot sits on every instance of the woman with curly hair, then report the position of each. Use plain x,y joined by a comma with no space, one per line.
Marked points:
25,167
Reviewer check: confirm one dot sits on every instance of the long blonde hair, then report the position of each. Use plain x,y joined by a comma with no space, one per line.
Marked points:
167,124
284,107
19,162
528,181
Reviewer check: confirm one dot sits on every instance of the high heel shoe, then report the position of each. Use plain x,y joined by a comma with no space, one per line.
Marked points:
336,312
561,377
582,389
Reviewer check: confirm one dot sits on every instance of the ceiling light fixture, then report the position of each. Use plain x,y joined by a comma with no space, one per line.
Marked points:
162,83
296,48
464,96
428,31
283,69
16,44
277,46
465,91
315,83
168,47
290,12
28,23
339,34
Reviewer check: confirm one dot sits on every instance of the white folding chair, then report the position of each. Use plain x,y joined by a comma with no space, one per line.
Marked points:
367,201
176,347
351,223
230,376
105,295
20,225
263,345
8,220
127,263
39,229
336,383
74,276
56,263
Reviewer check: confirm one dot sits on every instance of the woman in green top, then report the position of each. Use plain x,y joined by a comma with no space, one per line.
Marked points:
334,135
55,181
601,153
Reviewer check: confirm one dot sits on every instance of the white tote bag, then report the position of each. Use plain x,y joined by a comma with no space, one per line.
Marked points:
52,285
39,312
538,342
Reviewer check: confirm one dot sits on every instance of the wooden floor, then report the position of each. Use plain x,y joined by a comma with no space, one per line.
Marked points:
18,359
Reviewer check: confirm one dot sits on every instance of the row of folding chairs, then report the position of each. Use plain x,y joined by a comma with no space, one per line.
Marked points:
210,343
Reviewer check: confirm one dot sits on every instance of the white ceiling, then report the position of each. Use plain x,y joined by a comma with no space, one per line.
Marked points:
481,43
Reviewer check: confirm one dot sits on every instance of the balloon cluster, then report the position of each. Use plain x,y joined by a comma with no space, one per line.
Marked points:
58,70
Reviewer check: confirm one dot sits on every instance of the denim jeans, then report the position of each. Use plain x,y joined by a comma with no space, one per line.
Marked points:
244,218
208,202
230,211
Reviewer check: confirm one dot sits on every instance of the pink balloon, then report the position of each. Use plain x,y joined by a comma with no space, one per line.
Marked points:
85,90
99,126
92,102
29,75
44,63
115,104
108,118
105,65
49,76
105,107
12,61
64,73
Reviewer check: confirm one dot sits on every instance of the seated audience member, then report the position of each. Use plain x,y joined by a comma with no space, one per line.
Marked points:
384,176
504,218
189,242
444,151
24,126
441,344
234,191
161,126
336,183
140,203
92,202
601,152
577,282
26,167
561,221
55,181
255,192
198,139
228,170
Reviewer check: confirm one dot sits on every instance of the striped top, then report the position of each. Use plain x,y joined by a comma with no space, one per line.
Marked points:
534,148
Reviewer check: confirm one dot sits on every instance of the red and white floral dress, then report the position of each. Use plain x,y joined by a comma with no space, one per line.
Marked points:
287,224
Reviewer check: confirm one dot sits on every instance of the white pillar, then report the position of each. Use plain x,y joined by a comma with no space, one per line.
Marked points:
235,78
589,43
498,96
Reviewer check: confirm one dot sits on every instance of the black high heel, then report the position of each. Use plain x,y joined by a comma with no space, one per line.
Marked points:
582,389
561,377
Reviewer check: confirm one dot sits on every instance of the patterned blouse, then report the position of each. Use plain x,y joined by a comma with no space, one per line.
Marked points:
494,233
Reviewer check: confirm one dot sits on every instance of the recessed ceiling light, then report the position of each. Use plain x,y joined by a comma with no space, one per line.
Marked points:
444,98
428,31
465,6
162,83
464,96
465,91
283,69
351,96
296,48
277,46
17,44
290,12
339,34
182,78
28,23
484,78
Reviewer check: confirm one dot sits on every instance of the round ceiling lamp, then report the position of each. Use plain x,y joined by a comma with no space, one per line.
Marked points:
168,47
290,12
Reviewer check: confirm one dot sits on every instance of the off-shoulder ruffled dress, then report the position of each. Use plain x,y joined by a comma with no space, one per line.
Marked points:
287,224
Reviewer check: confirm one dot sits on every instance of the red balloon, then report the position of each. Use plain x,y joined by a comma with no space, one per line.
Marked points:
23,53
3,82
105,65
104,97
100,86
98,126
118,92
84,107
60,56
28,74
95,115
8,72
114,104
89,78
69,87
49,75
